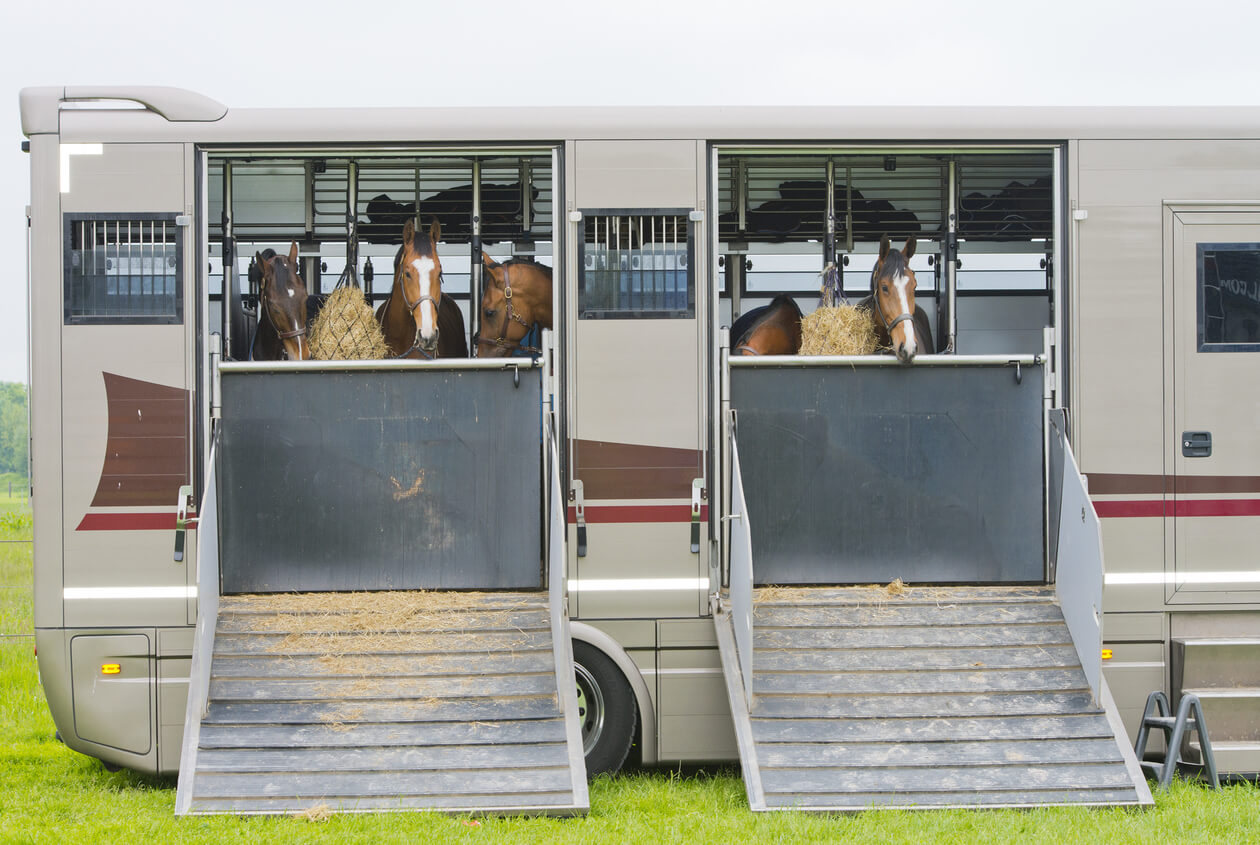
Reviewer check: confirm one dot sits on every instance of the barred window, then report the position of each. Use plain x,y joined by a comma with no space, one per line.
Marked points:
123,269
636,264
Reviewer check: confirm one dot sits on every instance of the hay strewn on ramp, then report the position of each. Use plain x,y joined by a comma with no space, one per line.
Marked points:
346,329
838,330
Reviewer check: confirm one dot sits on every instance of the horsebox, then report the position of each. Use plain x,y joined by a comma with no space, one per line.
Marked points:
467,583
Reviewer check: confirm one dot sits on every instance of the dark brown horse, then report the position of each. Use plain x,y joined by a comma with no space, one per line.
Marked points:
281,331
900,326
418,322
517,299
773,329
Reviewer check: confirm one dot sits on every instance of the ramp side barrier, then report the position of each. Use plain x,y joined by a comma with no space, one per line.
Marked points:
741,574
562,643
203,636
1076,553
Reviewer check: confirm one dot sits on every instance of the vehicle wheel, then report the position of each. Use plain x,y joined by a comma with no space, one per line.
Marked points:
607,708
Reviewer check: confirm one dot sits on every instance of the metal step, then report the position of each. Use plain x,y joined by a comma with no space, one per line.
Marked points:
385,701
927,697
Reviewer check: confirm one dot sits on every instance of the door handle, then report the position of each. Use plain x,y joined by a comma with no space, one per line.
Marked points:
181,520
1196,444
579,508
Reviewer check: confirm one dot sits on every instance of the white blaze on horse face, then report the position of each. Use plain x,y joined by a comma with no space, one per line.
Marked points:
902,282
424,269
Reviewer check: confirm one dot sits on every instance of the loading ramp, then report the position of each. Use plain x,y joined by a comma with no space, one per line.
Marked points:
987,693
431,669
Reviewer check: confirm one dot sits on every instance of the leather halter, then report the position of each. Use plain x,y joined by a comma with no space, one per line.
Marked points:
879,311
411,310
501,342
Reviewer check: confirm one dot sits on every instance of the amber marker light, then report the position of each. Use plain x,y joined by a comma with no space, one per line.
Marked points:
1106,654
110,668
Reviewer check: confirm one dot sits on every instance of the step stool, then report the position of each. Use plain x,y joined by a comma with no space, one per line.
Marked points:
1158,715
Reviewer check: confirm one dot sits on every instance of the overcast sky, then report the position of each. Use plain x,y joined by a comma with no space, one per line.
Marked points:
645,52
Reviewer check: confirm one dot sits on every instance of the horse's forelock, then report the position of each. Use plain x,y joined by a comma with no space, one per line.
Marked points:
894,265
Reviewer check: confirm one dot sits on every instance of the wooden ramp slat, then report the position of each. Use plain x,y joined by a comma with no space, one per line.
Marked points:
432,703
940,697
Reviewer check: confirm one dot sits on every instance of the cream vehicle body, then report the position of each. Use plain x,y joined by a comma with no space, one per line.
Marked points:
1116,247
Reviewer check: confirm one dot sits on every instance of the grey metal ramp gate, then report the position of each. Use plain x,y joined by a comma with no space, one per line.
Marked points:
359,666
932,694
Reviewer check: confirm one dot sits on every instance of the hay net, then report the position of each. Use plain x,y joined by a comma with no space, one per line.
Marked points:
346,328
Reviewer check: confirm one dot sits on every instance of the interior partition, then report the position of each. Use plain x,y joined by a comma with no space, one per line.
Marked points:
864,471
415,476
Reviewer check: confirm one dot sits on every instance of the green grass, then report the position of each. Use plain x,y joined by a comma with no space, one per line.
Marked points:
51,794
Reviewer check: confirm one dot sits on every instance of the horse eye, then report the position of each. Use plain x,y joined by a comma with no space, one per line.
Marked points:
490,312
884,288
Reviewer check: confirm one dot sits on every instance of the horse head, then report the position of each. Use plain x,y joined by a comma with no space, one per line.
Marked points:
892,294
517,296
282,300
418,276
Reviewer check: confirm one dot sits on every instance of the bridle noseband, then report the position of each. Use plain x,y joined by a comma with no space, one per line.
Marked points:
501,342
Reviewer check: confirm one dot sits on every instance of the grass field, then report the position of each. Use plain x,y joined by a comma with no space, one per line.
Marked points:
51,794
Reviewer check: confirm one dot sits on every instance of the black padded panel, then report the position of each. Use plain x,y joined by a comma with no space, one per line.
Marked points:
396,479
858,475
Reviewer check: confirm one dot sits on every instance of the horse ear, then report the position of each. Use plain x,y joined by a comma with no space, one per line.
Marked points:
435,231
293,253
263,267
487,260
908,252
409,232
885,244
489,263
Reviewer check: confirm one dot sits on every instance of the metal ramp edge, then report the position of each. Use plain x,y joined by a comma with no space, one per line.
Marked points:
480,716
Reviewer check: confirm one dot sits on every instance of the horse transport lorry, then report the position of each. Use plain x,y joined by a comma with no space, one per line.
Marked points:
694,529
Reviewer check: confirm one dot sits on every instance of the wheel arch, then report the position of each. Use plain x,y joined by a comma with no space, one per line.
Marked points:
643,699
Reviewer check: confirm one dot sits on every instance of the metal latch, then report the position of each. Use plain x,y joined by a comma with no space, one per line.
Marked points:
579,506
1196,444
697,493
181,520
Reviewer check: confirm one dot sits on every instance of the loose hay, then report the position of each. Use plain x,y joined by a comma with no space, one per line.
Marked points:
316,813
346,329
838,330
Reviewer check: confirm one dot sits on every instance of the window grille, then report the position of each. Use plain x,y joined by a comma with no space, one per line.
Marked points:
123,269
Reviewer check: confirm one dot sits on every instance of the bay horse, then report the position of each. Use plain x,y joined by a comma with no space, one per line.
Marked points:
417,321
515,305
773,329
281,328
900,325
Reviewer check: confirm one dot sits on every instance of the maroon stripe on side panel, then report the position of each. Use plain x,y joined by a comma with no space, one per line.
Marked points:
146,446
1183,507
127,522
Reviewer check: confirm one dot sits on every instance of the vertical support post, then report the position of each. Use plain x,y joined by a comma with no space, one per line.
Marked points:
474,267
1057,277
527,195
310,263
829,241
352,226
951,256
741,194
229,260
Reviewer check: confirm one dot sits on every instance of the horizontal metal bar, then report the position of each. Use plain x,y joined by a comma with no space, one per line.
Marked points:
884,360
372,366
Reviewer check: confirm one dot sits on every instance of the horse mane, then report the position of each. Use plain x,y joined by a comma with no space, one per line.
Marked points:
528,261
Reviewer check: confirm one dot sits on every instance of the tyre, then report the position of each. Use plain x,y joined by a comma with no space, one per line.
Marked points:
607,708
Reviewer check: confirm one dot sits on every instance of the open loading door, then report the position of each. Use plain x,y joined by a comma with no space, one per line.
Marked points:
932,694
382,620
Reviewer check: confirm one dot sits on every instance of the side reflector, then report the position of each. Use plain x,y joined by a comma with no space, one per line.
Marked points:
1106,654
110,668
